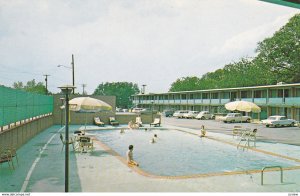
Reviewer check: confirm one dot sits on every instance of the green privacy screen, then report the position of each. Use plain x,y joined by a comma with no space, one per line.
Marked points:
16,105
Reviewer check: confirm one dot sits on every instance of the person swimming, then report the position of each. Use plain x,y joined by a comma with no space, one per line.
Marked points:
152,141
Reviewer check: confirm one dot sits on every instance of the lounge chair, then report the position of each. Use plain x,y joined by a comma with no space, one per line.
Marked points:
79,132
6,156
98,122
252,136
236,131
248,136
138,121
64,142
156,122
86,143
13,153
113,121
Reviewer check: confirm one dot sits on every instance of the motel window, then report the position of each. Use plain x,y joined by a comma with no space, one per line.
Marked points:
215,95
245,94
183,96
286,92
205,96
225,95
273,93
298,92
259,94
280,92
198,96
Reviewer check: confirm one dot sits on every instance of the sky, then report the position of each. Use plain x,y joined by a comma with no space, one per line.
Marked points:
151,42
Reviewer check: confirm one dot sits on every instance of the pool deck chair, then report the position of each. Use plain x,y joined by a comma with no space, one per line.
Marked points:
13,152
98,122
64,142
237,130
156,122
113,121
138,121
248,136
6,156
85,144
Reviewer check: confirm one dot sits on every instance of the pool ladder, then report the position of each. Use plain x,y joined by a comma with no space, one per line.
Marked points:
269,167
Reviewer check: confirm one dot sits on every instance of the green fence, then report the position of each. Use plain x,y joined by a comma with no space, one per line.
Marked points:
16,105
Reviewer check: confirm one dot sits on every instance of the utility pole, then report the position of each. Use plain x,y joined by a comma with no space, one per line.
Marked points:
46,80
83,86
73,73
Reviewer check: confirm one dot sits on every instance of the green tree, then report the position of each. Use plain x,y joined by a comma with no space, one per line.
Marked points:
18,85
277,60
31,86
122,90
185,83
280,53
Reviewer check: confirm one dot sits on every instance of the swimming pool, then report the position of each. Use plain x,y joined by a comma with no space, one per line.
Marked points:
179,154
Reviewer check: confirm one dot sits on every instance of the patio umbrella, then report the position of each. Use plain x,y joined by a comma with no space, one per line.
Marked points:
243,106
88,105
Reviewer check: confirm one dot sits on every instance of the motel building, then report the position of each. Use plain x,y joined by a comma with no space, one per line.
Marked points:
281,99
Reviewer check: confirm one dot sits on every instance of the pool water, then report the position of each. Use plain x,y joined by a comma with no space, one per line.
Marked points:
177,153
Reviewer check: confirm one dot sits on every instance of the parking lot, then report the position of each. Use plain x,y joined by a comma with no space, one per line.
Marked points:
286,135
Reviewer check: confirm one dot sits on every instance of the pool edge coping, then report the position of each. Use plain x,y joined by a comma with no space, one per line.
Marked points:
146,174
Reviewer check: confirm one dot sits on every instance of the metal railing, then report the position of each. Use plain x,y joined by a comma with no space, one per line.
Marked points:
268,167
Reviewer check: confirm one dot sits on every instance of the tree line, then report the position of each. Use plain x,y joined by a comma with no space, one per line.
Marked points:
277,60
122,90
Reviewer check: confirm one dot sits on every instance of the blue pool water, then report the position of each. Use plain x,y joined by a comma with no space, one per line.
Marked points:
176,153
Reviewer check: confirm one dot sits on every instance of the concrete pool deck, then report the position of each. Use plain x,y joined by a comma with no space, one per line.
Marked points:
41,169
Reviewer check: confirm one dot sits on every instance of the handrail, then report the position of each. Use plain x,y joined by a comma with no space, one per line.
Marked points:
268,167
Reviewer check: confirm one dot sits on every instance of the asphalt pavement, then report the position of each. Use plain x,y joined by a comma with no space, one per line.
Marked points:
285,135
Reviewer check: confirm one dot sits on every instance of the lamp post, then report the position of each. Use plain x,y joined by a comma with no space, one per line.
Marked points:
67,89
143,89
73,71
62,107
152,102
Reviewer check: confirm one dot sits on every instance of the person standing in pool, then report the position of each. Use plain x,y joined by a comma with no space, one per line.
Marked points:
129,153
203,132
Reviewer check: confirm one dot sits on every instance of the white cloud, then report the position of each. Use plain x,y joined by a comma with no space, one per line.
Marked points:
147,42
242,42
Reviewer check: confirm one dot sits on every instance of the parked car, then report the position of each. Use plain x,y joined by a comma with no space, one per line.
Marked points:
205,115
179,113
168,113
118,109
137,110
190,114
235,117
278,121
148,111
